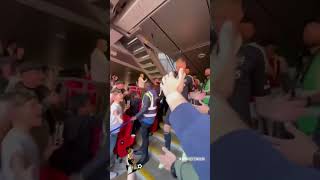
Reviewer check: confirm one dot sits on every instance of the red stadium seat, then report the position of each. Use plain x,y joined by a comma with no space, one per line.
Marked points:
125,139
75,87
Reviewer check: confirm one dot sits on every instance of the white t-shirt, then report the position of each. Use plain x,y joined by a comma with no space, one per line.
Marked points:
99,66
17,141
114,123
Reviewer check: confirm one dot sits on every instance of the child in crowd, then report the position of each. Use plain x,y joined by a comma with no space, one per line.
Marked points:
19,153
116,112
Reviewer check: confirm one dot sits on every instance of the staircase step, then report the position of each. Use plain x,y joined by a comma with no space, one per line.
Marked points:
152,168
152,165
138,50
148,65
155,146
145,174
144,59
175,144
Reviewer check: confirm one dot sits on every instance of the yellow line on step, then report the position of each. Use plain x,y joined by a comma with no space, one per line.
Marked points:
146,174
174,139
155,151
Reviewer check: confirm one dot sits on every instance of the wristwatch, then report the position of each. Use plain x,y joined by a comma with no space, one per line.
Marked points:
173,170
316,159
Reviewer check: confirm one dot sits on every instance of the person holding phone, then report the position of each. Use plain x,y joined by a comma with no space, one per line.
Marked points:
181,63
20,155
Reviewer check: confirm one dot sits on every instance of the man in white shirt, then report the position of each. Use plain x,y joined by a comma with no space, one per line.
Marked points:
141,81
99,67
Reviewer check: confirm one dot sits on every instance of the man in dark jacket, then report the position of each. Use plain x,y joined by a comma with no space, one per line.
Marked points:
75,152
146,117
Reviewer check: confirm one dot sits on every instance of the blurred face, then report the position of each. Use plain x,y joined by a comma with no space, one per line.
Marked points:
180,64
54,99
207,72
118,97
120,86
187,71
311,34
247,30
141,75
30,113
33,78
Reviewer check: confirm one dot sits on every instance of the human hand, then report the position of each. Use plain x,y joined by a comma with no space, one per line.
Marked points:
283,109
203,108
197,95
299,150
53,145
133,118
167,159
126,107
171,84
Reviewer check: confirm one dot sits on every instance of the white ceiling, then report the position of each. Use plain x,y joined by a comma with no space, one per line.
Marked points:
187,23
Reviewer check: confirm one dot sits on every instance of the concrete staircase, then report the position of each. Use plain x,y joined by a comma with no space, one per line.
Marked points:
151,170
145,56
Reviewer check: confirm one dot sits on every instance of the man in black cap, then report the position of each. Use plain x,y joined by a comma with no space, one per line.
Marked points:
32,78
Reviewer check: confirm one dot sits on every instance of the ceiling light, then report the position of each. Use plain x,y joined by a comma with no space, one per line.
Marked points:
133,40
139,49
201,55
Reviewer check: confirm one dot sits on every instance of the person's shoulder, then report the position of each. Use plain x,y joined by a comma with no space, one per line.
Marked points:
12,140
94,55
115,106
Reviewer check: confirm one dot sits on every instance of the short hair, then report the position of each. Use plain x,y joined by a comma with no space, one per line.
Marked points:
182,59
17,98
116,91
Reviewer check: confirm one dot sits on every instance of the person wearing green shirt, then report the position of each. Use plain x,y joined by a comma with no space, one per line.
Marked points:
206,88
310,80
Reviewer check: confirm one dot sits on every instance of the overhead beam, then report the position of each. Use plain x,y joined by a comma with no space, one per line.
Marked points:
63,13
113,59
197,46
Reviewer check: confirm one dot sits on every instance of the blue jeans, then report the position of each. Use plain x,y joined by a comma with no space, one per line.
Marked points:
113,141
